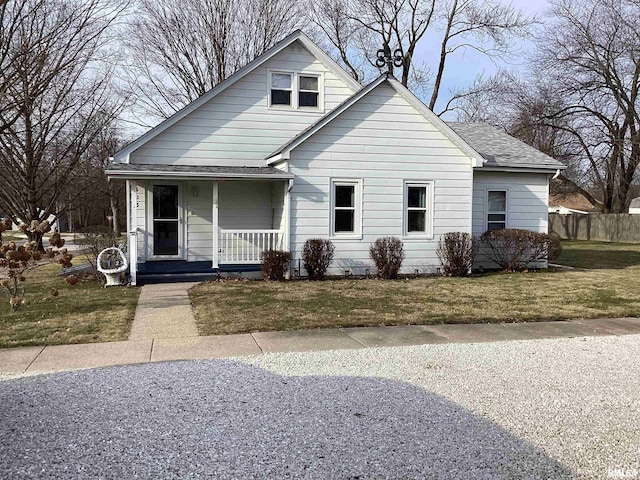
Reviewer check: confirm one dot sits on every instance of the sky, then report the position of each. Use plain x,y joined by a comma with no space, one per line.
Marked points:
463,67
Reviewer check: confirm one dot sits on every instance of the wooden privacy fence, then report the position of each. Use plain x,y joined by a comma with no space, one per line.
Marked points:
603,227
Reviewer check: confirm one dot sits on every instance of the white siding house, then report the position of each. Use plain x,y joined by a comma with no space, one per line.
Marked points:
291,148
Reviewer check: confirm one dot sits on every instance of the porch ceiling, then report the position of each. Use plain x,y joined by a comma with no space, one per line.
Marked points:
143,171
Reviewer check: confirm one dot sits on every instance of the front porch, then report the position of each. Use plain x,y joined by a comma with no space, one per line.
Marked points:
192,229
239,252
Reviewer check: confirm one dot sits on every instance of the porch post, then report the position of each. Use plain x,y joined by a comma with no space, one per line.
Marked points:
287,216
132,228
214,222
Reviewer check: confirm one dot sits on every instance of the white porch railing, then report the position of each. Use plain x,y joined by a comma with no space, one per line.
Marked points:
245,246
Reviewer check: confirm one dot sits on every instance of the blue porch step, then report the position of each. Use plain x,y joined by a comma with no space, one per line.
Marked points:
169,271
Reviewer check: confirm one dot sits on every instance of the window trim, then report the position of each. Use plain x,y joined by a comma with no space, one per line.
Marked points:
301,90
429,209
295,90
486,206
291,89
357,220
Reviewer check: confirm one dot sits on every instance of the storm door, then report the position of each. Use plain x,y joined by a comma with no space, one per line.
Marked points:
166,221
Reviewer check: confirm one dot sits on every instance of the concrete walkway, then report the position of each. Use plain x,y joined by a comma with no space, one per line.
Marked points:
164,311
164,329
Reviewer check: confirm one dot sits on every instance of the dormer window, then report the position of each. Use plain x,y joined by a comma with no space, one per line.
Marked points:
295,90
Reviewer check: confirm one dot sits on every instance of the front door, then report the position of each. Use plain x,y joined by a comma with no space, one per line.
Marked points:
166,221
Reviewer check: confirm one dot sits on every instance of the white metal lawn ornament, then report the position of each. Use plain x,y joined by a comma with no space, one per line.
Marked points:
112,262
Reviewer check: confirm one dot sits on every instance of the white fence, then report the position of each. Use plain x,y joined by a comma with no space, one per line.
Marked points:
246,246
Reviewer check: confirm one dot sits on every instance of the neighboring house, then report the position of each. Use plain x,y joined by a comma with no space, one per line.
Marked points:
634,206
567,204
291,148
562,210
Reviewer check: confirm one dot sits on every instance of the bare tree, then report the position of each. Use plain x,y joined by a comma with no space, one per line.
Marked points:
488,27
92,200
57,98
581,100
526,109
111,192
340,33
592,54
181,50
357,28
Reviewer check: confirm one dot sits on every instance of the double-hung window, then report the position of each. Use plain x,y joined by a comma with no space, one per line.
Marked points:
308,91
281,88
345,208
417,208
496,209
294,90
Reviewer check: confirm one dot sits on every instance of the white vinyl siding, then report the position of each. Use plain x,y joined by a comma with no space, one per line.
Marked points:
527,203
245,205
199,212
384,141
527,199
237,127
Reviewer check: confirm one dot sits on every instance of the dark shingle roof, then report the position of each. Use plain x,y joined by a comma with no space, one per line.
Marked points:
499,149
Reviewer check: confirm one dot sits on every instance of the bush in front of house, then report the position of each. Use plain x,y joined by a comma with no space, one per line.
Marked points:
317,255
457,251
387,254
515,249
275,264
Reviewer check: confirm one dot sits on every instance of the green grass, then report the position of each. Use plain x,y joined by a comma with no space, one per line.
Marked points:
13,236
84,313
599,255
610,289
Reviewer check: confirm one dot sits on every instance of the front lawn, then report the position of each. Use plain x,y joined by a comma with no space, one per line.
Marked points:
236,307
599,255
86,312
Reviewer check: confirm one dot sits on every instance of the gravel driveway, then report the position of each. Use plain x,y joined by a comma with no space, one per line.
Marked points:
537,409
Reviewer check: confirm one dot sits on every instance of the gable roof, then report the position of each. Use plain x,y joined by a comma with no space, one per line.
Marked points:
298,35
283,152
500,150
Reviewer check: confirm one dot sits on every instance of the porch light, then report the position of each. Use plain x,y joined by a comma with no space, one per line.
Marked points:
194,191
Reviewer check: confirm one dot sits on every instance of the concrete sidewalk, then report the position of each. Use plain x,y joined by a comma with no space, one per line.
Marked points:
32,360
